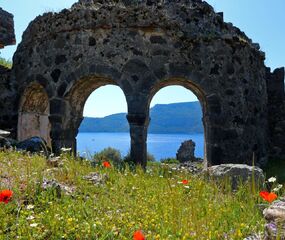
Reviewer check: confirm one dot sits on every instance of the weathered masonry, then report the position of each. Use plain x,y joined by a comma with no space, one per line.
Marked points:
7,35
142,46
7,88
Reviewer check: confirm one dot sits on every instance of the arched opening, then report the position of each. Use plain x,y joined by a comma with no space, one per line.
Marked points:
33,119
177,112
104,122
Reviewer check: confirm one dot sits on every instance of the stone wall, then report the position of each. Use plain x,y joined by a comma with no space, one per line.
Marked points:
7,35
142,47
276,113
8,94
8,109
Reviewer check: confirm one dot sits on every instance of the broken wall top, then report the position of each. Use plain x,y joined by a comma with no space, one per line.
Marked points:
7,33
189,20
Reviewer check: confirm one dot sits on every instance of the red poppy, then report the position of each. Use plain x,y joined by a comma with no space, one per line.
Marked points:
106,164
138,235
5,196
185,181
268,197
263,194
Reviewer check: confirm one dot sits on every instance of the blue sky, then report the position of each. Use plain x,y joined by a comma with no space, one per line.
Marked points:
261,20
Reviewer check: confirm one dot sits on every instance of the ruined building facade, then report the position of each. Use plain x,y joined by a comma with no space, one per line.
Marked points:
143,46
8,90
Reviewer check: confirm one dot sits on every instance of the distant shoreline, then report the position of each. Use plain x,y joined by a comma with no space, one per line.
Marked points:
175,118
148,132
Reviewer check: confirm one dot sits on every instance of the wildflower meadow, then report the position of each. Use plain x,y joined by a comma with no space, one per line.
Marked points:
159,203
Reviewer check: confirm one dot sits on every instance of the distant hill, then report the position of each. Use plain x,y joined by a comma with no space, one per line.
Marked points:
165,118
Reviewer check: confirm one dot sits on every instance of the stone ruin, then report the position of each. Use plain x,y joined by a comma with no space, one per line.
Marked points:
8,90
7,34
186,152
143,46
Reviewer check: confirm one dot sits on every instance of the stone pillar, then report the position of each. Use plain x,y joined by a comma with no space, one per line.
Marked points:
63,128
211,114
60,137
63,139
56,135
138,131
72,129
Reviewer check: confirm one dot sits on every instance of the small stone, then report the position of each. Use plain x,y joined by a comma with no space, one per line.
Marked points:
255,237
274,231
96,178
58,187
276,212
191,167
34,145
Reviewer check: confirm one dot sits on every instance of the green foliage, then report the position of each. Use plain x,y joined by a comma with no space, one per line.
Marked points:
154,201
6,63
149,157
169,160
108,154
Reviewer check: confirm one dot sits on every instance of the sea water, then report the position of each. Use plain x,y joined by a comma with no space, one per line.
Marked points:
159,145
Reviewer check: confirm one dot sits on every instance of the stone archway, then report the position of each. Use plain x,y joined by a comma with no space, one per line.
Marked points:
202,100
33,117
104,122
140,46
75,100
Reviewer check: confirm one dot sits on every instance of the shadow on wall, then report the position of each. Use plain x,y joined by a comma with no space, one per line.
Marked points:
33,117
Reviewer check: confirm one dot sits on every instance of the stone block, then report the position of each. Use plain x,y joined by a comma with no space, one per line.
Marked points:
237,173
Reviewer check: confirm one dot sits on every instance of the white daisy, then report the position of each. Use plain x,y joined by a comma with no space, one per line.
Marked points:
272,179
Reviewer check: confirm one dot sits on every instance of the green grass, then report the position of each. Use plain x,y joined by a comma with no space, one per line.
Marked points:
6,63
153,201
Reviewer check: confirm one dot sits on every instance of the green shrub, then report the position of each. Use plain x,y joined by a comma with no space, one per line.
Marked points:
150,158
169,160
6,63
108,154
